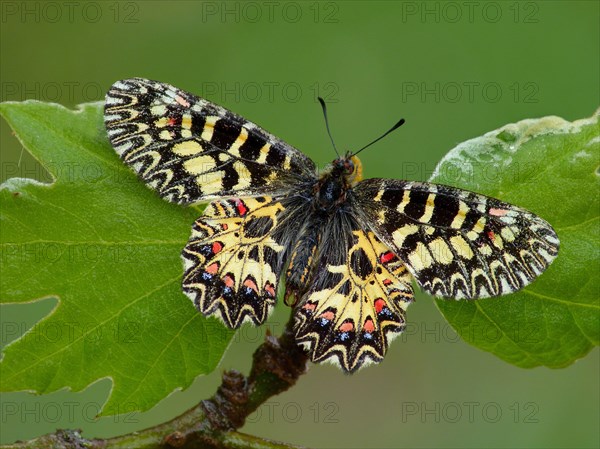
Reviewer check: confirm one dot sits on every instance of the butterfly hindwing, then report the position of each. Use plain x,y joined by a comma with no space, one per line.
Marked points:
456,243
191,150
355,303
232,261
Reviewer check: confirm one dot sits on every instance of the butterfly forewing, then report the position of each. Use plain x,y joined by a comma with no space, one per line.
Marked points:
190,150
456,243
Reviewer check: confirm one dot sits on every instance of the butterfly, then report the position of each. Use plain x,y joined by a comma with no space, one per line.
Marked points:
346,248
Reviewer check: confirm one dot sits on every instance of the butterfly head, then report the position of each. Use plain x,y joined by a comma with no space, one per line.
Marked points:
347,170
349,167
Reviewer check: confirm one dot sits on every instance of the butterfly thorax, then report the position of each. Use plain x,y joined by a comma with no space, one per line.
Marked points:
331,188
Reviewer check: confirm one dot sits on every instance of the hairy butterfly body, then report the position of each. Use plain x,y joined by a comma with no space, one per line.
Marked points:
348,247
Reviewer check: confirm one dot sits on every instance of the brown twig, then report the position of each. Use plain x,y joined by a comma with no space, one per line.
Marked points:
277,365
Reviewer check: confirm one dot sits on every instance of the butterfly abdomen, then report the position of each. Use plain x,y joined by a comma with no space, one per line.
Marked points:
302,260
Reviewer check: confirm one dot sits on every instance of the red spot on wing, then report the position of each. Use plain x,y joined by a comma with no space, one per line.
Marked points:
213,268
491,235
309,306
224,226
270,289
329,316
228,280
182,101
172,121
379,305
251,284
217,247
387,281
347,326
386,257
241,207
498,212
369,326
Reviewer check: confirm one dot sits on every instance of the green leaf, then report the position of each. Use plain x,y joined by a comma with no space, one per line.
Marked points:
550,167
109,250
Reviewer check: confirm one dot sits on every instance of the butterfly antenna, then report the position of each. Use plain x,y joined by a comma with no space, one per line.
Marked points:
327,124
393,128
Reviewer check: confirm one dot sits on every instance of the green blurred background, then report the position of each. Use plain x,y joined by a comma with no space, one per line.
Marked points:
454,70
